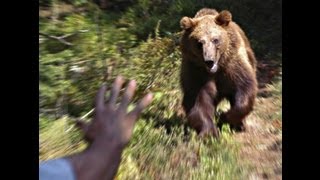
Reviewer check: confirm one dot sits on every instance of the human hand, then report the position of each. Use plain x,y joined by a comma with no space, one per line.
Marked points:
108,133
112,123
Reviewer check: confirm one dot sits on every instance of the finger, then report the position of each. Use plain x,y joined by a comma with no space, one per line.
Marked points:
146,100
128,95
100,97
117,84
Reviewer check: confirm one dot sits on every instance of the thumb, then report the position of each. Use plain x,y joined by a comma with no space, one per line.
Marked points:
83,126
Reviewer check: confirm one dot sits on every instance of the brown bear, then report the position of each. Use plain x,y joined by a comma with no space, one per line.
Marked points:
217,63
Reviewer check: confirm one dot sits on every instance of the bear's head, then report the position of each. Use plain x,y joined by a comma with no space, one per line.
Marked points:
207,37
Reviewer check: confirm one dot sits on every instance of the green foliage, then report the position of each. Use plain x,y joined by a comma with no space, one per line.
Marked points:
155,65
48,3
75,72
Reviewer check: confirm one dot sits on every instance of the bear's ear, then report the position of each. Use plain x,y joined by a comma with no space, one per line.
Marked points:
224,18
187,23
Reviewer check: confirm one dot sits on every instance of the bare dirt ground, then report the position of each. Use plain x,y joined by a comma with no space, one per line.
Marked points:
262,141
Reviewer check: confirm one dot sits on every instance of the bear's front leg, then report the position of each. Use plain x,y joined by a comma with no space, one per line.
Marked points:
241,106
200,111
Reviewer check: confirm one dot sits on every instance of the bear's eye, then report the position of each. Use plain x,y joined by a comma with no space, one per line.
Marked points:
215,41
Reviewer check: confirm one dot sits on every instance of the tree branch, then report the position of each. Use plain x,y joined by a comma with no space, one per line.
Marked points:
61,39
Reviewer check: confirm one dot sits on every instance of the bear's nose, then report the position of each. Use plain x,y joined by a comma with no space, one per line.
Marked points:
209,63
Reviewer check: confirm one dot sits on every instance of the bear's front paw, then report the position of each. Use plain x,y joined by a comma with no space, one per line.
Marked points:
210,132
238,128
221,120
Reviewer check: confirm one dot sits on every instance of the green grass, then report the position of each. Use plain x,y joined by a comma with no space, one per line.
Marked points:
155,154
58,138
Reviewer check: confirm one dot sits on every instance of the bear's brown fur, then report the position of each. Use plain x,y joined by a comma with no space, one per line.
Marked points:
217,63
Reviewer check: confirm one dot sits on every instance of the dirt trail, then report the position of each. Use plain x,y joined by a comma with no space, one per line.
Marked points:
262,140
262,148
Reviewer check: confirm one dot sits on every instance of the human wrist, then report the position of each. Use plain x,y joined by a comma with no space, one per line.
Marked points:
99,159
96,163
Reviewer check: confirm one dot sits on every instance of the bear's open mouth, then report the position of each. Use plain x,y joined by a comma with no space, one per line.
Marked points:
212,66
209,64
